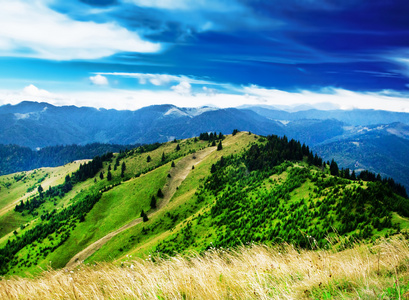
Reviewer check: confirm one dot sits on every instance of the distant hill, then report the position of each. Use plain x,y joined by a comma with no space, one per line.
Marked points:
379,149
15,158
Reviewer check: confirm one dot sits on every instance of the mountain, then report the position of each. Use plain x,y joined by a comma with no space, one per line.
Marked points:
354,117
379,149
331,133
38,125
189,195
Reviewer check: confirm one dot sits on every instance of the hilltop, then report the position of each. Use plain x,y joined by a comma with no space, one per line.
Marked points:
196,194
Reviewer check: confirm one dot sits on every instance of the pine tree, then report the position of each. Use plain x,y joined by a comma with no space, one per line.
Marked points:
213,143
159,193
173,164
144,216
177,147
334,168
213,169
148,159
219,146
123,168
101,175
163,156
109,176
153,202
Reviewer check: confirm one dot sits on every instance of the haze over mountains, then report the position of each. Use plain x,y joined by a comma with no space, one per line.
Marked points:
358,139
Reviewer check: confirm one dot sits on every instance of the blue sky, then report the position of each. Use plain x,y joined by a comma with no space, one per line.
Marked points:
126,54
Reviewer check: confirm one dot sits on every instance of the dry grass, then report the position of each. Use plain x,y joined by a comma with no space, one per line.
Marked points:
256,272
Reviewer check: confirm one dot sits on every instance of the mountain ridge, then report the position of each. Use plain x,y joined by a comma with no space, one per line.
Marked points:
38,125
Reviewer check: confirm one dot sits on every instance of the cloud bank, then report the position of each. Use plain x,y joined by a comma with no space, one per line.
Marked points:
183,96
31,29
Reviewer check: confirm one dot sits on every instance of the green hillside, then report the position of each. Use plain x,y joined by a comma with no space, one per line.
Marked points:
196,194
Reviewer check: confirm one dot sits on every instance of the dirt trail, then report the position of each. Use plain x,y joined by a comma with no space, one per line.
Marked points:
178,174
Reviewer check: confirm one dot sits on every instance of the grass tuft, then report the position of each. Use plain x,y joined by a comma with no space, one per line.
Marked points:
262,272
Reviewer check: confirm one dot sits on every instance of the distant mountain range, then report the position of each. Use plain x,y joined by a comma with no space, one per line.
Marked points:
358,139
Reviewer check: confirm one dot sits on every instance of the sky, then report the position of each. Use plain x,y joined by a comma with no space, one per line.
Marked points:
127,54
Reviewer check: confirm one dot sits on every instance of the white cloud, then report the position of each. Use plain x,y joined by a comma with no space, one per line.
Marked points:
99,80
33,91
210,91
344,99
183,88
181,95
31,29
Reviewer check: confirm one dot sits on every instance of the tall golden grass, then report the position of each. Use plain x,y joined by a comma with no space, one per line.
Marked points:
255,272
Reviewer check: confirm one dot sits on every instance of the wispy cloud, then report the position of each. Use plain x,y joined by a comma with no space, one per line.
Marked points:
161,79
31,29
208,5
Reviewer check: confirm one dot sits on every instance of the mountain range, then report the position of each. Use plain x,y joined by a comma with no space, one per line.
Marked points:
359,139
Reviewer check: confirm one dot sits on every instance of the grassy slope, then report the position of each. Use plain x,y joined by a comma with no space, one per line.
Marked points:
182,204
12,191
257,272
183,214
117,206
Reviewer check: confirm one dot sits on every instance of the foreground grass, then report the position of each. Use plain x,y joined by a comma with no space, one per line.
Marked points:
258,272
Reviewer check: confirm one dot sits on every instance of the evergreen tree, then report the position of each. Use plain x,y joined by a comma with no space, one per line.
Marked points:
153,202
219,146
177,147
334,168
163,157
144,216
109,176
101,175
123,168
235,131
109,167
213,143
159,193
221,136
193,167
148,159
213,169
173,164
